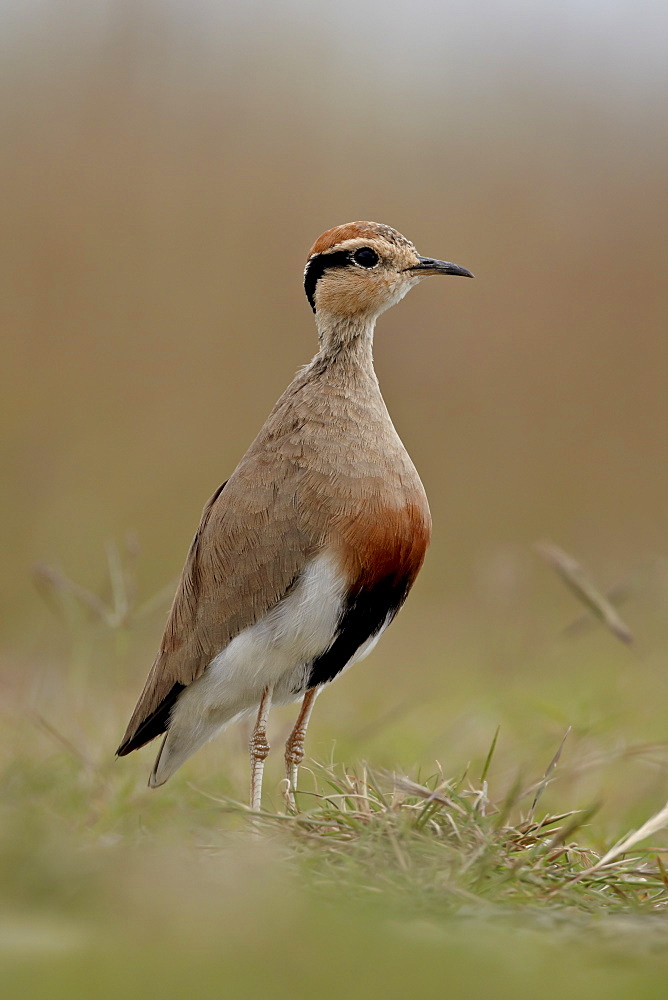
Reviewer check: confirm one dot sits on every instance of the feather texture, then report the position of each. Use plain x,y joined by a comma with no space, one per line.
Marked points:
327,470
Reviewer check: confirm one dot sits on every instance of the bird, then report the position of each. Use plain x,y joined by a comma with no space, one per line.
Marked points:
303,557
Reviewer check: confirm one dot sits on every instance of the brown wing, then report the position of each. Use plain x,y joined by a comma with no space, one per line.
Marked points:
327,459
250,547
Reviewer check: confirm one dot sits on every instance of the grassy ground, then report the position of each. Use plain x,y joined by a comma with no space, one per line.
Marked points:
499,873
380,887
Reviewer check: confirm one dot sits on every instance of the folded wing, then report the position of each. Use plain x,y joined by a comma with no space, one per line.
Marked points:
250,548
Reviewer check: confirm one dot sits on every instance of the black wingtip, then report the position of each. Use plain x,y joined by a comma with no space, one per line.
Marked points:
154,725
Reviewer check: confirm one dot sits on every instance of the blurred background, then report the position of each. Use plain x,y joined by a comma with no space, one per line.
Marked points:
165,168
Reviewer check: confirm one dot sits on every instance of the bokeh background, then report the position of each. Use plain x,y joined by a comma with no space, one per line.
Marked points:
165,168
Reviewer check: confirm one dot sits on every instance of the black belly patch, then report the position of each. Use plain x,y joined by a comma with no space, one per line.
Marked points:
365,613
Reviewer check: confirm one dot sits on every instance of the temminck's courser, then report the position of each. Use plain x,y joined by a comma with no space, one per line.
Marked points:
304,556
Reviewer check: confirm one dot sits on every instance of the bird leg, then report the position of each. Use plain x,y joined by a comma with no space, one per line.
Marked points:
259,750
294,747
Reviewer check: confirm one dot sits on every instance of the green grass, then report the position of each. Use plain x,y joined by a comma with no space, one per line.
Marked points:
500,873
447,844
381,883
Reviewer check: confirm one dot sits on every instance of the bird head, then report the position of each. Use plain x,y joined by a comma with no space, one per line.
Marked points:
362,268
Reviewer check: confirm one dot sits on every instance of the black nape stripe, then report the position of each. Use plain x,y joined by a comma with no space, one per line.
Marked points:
317,266
366,611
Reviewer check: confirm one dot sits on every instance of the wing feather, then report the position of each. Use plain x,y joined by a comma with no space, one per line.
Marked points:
250,547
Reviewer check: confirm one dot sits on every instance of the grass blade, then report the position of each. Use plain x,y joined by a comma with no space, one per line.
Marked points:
581,584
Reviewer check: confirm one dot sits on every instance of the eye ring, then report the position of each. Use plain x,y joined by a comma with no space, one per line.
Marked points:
366,257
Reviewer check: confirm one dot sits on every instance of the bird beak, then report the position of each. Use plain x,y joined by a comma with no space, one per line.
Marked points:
428,265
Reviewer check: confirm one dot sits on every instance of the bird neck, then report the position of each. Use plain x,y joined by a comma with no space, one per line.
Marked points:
346,340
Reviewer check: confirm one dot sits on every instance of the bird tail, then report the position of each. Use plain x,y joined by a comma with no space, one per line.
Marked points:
183,738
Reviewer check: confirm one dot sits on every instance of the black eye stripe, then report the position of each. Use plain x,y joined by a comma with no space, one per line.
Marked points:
317,266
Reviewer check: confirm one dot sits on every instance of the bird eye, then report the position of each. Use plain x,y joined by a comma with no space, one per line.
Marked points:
366,257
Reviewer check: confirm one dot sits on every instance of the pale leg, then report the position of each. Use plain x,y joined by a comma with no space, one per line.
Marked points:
294,748
259,749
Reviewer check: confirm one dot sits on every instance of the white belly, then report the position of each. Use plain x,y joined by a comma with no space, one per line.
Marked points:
276,652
